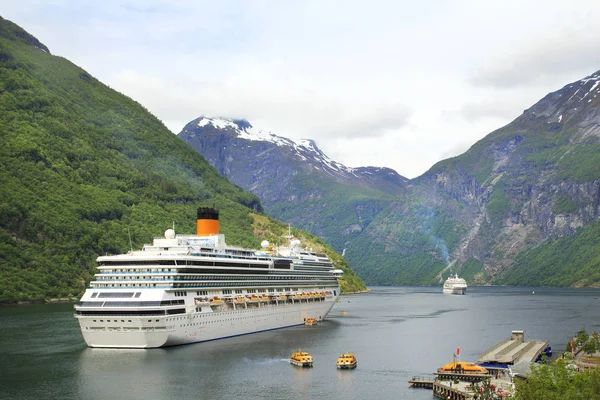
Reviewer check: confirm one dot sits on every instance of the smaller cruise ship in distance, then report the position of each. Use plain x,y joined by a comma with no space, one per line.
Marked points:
455,285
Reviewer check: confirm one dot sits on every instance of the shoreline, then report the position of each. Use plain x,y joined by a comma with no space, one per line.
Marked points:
357,292
49,301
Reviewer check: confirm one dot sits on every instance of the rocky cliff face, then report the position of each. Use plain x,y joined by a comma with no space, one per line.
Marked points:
266,163
509,210
13,32
531,182
294,179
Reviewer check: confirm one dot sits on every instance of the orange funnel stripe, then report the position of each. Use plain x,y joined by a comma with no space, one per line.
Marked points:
207,227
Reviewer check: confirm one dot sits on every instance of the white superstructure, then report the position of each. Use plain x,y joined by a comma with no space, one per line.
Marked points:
193,288
455,285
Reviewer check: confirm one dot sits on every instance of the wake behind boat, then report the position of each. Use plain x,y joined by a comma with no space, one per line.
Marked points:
193,288
455,285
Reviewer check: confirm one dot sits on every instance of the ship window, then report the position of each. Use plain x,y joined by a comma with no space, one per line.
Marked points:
116,295
94,294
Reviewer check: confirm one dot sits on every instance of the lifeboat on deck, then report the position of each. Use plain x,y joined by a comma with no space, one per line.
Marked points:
462,367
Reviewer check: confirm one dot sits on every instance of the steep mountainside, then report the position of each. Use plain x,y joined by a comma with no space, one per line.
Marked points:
520,207
86,171
295,180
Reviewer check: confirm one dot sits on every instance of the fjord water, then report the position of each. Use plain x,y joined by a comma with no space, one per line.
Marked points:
395,333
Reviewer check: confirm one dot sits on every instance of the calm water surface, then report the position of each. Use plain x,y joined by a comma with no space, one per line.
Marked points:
395,333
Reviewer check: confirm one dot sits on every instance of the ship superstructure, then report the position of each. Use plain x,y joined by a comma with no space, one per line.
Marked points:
192,288
455,285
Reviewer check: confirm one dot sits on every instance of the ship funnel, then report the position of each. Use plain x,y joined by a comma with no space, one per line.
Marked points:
207,223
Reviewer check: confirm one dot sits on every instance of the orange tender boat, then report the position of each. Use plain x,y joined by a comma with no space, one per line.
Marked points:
301,359
462,367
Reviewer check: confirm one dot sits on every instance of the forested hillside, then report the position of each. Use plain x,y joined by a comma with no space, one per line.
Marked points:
86,171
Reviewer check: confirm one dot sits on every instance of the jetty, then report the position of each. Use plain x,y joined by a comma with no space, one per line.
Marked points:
422,382
453,390
513,350
465,380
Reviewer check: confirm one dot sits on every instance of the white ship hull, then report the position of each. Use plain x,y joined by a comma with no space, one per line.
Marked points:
161,331
455,290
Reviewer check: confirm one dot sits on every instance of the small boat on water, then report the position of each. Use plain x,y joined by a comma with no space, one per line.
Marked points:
347,361
301,359
310,321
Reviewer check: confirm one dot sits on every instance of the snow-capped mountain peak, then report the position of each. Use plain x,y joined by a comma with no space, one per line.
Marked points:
225,141
305,149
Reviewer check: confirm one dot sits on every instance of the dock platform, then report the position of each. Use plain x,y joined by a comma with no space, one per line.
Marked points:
513,350
451,376
452,390
421,382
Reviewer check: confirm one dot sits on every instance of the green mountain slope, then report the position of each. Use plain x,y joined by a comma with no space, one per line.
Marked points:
520,207
333,211
85,169
294,179
492,214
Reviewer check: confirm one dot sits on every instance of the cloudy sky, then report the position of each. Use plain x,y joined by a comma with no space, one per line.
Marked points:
400,84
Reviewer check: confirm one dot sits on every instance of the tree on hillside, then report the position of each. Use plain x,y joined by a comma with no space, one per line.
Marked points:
559,381
596,338
589,347
582,337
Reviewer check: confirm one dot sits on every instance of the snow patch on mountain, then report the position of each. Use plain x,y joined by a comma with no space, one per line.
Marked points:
305,149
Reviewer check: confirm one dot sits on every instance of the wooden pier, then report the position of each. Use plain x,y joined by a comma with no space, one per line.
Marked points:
453,391
421,382
449,386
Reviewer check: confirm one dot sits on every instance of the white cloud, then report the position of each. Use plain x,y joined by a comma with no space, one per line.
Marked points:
543,58
389,83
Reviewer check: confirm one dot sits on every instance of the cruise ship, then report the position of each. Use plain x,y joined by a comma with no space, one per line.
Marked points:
455,285
192,288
